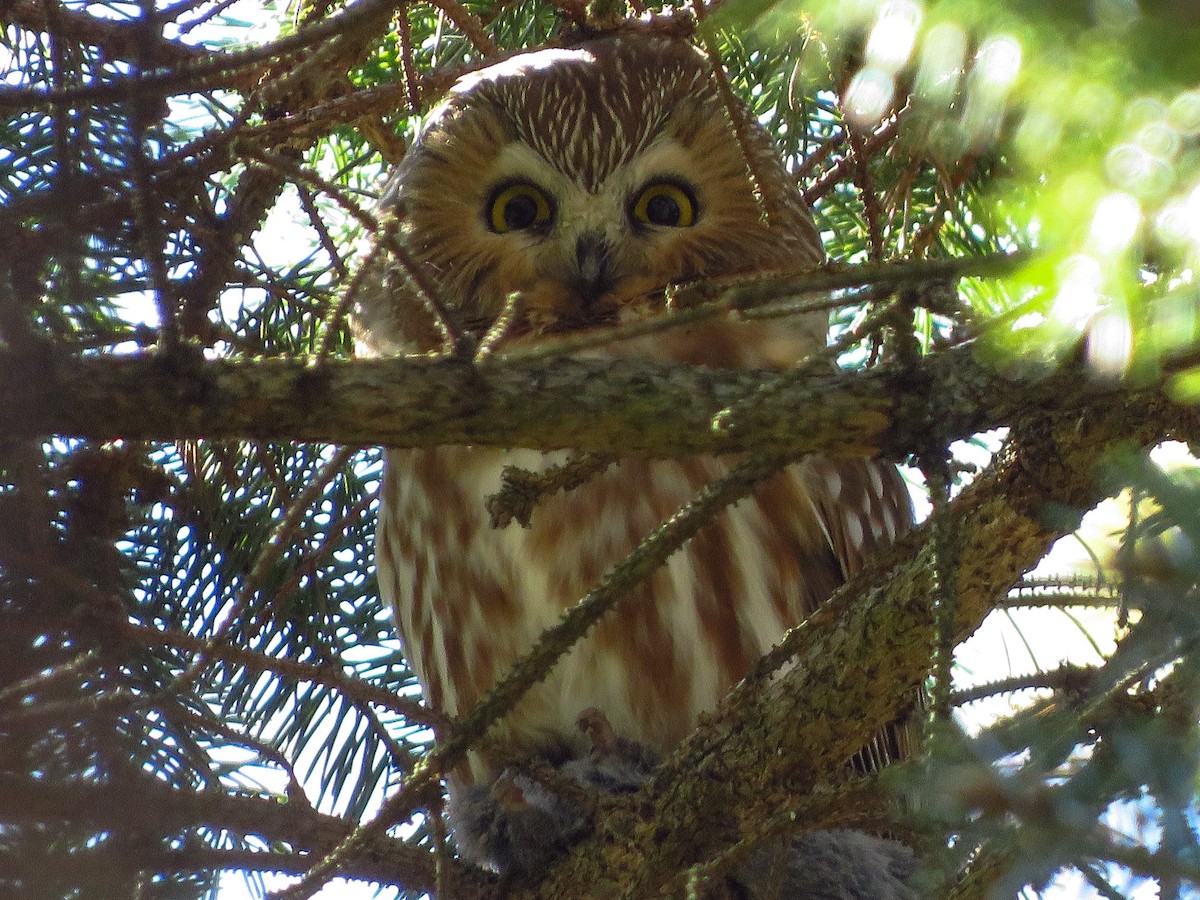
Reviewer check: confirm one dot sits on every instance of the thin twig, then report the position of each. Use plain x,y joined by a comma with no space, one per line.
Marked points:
404,758
767,294
171,13
190,76
309,561
309,205
207,721
521,491
728,419
152,807
368,268
470,25
872,211
753,290
69,132
386,234
818,156
116,38
500,327
635,568
933,465
44,679
882,135
1063,591
1067,677
408,68
146,636
272,551
936,218
257,661
848,805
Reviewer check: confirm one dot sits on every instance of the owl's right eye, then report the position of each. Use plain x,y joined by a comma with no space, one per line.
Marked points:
519,207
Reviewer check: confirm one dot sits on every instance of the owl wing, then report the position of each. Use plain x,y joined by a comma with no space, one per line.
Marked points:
863,505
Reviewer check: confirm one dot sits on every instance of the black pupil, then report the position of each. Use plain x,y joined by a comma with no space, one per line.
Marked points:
520,211
663,210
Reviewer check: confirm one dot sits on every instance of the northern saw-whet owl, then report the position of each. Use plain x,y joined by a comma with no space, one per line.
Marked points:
579,181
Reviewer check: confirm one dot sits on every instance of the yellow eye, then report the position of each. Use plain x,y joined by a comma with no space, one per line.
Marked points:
665,203
517,207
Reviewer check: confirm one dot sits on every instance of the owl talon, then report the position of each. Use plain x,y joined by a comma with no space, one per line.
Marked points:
599,730
615,764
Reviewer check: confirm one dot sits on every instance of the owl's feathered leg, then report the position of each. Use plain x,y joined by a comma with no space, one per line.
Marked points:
518,826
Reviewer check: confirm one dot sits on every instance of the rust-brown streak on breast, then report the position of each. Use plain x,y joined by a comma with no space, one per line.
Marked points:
582,536
428,527
797,548
716,567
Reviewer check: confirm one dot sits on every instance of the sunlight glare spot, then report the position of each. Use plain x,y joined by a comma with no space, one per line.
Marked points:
1029,320
943,52
1133,167
8,65
1039,133
894,35
1184,113
856,13
1158,139
997,65
1114,223
1178,222
869,96
1078,297
137,308
1175,322
1144,111
1143,165
1110,343
1094,103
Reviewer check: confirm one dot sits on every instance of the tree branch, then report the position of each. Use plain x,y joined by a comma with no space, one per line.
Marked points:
150,807
635,408
762,746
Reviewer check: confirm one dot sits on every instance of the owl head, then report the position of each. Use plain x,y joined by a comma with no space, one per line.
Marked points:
581,180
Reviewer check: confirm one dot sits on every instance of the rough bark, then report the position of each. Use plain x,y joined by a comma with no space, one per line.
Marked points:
764,747
635,408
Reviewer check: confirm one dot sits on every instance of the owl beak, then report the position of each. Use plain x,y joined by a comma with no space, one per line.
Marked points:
593,268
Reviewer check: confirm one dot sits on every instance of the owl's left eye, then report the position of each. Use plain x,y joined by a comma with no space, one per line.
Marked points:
518,207
666,204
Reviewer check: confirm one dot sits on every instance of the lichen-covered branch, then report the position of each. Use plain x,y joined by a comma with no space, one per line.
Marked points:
764,745
634,408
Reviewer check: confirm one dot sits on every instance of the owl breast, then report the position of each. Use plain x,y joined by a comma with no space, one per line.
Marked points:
470,599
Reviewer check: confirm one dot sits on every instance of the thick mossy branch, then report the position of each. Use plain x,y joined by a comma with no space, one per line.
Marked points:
630,407
763,746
